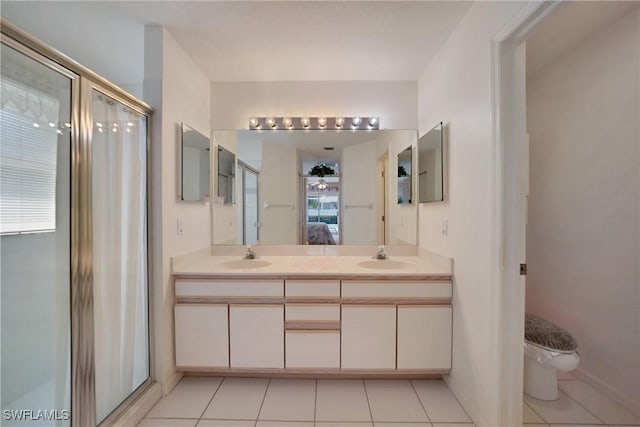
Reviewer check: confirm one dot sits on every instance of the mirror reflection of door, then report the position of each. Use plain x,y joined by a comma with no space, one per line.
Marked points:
250,205
322,205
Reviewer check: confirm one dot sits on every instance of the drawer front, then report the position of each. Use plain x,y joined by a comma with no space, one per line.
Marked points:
312,312
229,288
313,349
312,288
392,288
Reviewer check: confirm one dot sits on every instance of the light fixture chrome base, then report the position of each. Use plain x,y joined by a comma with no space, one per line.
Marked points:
314,123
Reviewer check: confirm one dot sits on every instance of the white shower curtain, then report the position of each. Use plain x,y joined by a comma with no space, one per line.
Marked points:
119,252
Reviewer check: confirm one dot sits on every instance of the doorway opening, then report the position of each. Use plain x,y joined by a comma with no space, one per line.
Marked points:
322,210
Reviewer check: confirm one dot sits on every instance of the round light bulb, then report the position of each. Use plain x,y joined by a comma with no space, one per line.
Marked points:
322,122
355,122
36,125
287,122
99,124
305,122
52,125
373,121
339,122
254,122
271,122
67,124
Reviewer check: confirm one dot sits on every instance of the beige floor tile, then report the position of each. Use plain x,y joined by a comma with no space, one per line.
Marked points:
167,422
394,400
342,400
534,425
289,400
237,399
339,424
529,416
441,405
188,399
564,375
225,423
402,424
563,410
598,404
452,425
284,424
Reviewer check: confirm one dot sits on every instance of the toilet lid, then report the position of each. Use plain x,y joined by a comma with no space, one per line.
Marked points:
548,335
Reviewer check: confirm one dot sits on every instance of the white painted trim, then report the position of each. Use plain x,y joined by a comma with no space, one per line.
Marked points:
140,407
607,390
171,383
507,292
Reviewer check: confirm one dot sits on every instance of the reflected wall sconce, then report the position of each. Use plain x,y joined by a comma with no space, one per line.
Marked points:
314,123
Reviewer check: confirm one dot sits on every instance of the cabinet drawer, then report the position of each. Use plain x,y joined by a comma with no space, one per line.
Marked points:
312,288
229,288
313,349
396,289
312,312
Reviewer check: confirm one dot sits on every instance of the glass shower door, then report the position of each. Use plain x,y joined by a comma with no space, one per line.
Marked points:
35,241
119,188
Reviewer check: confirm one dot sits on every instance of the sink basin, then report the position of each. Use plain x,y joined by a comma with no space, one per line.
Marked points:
245,264
385,264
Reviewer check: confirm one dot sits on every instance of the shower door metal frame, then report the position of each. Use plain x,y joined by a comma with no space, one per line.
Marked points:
83,81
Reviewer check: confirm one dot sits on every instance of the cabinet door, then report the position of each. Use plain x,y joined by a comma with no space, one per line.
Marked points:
368,337
313,349
256,334
424,337
202,335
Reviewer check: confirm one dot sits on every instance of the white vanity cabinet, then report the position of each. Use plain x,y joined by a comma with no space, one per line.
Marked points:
424,337
256,334
202,335
368,336
345,326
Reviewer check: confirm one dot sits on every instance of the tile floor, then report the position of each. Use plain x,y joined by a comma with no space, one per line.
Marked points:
258,402
578,405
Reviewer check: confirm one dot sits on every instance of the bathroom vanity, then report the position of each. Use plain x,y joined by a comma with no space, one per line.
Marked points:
317,311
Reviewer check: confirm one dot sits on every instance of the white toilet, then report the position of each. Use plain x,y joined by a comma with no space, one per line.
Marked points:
547,349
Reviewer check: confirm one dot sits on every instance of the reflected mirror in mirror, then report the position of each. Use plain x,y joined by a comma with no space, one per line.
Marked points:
318,188
196,165
226,175
430,166
405,161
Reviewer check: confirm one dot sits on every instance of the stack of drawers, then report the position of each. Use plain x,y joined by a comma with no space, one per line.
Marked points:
312,324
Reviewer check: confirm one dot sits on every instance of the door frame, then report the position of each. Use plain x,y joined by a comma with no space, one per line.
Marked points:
508,196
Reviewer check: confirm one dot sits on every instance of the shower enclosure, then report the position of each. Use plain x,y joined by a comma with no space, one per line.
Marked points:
73,240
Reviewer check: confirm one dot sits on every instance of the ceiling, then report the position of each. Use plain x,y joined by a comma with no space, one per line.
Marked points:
568,27
260,40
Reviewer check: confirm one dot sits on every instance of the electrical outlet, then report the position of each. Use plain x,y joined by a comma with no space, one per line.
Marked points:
179,227
445,227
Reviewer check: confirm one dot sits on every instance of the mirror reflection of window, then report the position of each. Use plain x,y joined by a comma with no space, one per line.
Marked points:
195,165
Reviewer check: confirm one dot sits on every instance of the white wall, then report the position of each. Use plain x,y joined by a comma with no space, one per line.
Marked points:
456,88
394,102
91,33
179,92
582,238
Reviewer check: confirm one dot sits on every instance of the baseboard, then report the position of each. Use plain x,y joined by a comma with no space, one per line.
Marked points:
140,407
171,382
604,388
465,401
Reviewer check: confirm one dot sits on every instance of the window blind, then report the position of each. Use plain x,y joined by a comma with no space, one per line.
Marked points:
27,173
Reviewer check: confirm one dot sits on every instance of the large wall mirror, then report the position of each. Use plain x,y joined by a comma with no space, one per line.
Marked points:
317,187
430,166
195,165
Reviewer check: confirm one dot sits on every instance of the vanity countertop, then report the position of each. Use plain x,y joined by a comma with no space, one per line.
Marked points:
290,262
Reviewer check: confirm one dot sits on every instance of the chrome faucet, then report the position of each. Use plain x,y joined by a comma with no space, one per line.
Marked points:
249,254
381,254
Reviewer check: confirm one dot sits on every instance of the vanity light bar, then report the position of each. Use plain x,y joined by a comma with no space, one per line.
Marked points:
314,123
